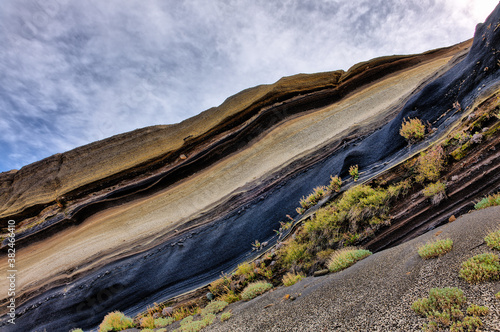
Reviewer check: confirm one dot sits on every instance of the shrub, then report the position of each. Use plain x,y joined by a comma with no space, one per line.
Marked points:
492,200
246,269
354,172
477,310
436,191
343,258
162,322
214,307
290,279
468,324
493,240
482,267
430,164
255,289
229,296
335,183
412,130
184,312
190,325
435,249
225,316
115,321
295,253
148,322
442,307
76,330
313,198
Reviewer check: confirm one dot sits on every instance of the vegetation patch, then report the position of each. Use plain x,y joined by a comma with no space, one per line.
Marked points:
354,172
255,289
493,240
214,307
313,198
435,248
335,183
430,164
188,324
442,308
477,310
343,258
482,267
292,278
436,191
225,316
412,130
115,321
492,200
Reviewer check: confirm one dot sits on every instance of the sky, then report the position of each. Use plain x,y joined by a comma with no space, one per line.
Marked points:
73,72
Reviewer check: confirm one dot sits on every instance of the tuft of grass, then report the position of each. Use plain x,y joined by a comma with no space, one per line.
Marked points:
229,296
435,248
492,200
246,269
430,164
115,321
162,322
214,307
148,322
441,308
225,316
290,278
76,330
412,130
343,258
482,267
354,172
295,253
188,324
184,312
335,183
313,198
493,240
255,289
437,192
469,323
477,310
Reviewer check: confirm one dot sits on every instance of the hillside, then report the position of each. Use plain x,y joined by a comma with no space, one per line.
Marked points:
145,216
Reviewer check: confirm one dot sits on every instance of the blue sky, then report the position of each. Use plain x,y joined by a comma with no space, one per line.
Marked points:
73,72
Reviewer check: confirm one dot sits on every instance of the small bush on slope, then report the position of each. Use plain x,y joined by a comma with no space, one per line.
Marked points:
214,307
492,200
115,321
482,267
313,198
441,308
412,130
162,322
430,164
493,240
435,249
477,310
335,183
437,192
255,289
290,279
225,316
343,258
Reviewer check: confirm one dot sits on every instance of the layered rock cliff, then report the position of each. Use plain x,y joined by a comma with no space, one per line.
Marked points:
145,215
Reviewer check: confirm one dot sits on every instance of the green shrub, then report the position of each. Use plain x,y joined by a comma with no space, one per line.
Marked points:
255,289
148,322
412,130
493,240
115,321
214,307
469,323
225,316
335,183
482,267
229,296
492,200
435,248
246,269
354,172
290,279
162,322
343,258
295,253
477,310
313,198
190,325
441,308
430,164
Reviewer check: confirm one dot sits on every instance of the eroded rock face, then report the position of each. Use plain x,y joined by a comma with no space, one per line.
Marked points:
151,213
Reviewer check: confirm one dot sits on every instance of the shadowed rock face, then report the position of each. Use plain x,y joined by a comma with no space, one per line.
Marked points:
142,216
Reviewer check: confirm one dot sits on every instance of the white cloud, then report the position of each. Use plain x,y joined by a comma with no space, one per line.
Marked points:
74,72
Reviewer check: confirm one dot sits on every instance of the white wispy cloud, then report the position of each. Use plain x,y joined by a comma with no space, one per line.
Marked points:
74,72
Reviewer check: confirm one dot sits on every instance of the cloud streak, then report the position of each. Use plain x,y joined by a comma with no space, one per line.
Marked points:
75,72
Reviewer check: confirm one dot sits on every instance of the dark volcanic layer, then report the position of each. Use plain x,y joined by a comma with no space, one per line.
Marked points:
158,211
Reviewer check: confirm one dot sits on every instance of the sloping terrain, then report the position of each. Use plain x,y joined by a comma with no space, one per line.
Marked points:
146,215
